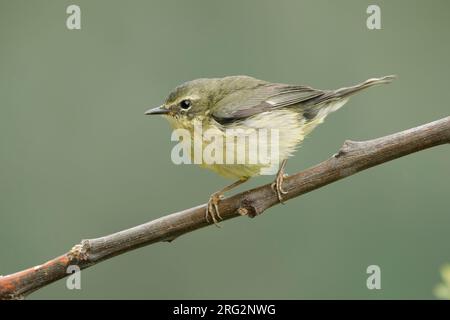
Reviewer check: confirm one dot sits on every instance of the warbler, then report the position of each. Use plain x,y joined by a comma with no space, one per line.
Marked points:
243,104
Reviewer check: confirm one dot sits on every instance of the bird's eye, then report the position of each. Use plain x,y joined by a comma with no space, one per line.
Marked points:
185,104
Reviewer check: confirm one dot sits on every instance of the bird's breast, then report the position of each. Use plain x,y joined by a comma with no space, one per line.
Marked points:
245,148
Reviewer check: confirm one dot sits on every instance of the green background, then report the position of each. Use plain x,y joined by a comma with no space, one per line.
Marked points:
78,158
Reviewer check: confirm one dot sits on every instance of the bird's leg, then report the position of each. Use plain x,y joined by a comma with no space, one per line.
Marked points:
277,185
212,208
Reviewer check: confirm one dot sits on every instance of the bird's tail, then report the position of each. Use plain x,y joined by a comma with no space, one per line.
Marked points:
346,92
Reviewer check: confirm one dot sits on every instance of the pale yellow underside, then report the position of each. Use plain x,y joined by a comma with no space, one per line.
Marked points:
291,127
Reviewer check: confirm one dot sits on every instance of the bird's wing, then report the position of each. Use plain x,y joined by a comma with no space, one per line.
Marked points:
242,104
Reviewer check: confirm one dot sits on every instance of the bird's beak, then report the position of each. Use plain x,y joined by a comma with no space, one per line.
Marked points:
158,110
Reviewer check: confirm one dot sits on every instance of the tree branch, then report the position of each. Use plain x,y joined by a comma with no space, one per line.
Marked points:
353,157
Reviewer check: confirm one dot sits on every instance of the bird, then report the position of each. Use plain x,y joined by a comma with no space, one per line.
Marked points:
244,105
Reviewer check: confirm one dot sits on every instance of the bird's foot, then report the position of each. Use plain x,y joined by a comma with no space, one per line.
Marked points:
277,185
212,208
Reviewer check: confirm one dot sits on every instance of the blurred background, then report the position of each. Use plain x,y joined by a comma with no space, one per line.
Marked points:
78,158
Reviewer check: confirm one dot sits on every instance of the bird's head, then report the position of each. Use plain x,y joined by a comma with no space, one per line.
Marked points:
190,101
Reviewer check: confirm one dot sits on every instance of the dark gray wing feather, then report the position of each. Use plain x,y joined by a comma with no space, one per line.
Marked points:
246,103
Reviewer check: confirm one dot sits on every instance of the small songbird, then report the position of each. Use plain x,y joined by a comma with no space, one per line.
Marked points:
240,105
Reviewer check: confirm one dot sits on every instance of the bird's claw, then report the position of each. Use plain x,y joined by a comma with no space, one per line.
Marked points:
277,186
212,209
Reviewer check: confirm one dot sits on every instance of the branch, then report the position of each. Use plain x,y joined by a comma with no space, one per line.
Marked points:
354,156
